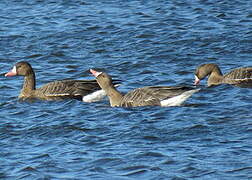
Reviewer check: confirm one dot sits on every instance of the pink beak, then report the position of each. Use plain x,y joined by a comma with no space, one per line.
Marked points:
95,73
196,81
12,72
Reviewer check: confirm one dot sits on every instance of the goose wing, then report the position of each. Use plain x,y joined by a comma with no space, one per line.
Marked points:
240,73
240,77
151,95
68,88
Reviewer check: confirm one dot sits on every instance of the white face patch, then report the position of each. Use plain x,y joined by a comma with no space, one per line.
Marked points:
14,69
196,78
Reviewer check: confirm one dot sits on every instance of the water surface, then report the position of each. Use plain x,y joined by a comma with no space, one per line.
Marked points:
143,43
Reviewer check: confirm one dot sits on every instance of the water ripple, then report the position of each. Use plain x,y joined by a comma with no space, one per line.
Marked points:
141,43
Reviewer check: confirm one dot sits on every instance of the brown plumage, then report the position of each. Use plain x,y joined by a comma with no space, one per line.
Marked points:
146,96
57,90
241,77
152,95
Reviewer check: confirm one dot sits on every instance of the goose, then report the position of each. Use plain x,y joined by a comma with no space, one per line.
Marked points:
83,90
145,96
240,76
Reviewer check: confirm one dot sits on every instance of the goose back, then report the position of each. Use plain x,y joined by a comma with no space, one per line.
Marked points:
240,77
74,89
151,95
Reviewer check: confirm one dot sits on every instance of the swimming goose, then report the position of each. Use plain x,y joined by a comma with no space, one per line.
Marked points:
146,96
57,90
240,77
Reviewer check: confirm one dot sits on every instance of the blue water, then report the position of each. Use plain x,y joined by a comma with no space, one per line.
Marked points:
142,43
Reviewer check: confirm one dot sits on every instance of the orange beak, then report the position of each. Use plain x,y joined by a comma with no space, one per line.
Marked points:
12,72
95,73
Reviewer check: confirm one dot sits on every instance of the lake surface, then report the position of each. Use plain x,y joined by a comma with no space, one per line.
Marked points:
142,43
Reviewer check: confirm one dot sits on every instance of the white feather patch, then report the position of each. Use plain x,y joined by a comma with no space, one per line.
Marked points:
244,79
178,100
94,97
59,94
